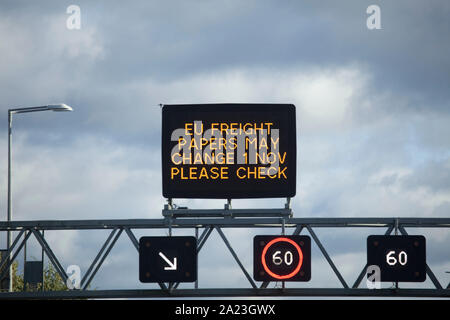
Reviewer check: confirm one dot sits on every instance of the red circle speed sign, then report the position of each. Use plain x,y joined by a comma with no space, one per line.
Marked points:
270,272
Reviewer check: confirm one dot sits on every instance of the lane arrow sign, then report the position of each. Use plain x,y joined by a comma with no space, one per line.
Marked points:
172,265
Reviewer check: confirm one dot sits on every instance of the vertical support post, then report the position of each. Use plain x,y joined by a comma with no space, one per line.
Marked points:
8,236
170,226
24,288
42,259
196,240
170,205
228,205
287,205
396,233
283,232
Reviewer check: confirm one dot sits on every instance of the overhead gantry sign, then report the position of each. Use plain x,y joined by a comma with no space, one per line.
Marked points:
229,151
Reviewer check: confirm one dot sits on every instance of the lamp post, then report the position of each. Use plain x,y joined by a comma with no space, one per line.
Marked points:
50,107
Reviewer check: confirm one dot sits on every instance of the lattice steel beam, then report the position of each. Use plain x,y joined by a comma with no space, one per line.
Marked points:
117,226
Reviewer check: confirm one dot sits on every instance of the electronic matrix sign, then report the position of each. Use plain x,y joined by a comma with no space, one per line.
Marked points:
229,151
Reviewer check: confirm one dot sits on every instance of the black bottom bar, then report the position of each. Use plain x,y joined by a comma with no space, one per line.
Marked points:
226,293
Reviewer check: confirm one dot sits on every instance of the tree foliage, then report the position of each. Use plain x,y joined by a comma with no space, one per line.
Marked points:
52,280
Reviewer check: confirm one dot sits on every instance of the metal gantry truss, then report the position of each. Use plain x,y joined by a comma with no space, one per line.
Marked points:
209,221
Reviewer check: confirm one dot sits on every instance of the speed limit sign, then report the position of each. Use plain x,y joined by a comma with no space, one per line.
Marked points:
400,258
282,258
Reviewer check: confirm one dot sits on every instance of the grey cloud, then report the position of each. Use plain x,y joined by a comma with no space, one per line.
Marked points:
434,176
443,210
409,54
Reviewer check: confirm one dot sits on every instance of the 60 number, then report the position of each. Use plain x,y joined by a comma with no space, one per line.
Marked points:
391,260
288,258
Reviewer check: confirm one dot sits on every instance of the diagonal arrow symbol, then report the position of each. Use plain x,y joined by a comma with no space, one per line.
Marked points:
172,265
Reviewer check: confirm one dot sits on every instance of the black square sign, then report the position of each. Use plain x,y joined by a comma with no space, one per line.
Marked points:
282,258
167,259
400,258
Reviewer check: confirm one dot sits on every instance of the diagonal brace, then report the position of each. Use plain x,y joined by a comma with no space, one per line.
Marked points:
11,248
132,238
203,238
363,272
136,245
325,253
110,246
98,256
225,240
429,272
7,259
50,254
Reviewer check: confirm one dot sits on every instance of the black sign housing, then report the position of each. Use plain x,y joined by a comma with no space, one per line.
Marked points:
400,258
167,259
277,258
186,174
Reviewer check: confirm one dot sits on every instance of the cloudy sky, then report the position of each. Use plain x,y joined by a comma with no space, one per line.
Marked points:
373,116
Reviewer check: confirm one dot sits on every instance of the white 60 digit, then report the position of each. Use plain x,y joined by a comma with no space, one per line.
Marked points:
402,258
277,260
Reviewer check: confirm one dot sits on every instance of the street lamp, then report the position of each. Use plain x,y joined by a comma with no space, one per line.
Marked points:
50,107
